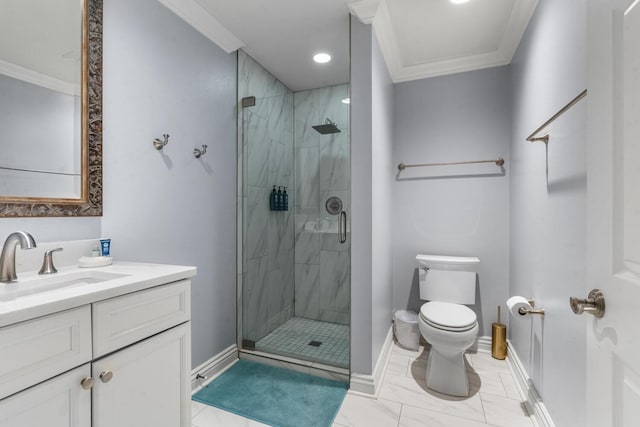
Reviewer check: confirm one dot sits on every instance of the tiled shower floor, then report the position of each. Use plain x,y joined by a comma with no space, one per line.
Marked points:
294,337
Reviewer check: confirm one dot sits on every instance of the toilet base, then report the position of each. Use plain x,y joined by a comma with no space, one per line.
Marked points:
447,375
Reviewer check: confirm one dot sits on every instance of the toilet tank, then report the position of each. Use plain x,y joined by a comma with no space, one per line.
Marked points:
448,278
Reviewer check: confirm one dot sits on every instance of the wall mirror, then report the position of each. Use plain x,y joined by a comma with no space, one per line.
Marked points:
51,108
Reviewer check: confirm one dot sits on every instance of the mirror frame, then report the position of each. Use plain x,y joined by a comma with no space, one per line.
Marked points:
90,201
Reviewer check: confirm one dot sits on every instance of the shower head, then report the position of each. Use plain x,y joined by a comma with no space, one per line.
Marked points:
327,127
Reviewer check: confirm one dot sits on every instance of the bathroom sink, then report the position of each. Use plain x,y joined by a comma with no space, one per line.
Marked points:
41,284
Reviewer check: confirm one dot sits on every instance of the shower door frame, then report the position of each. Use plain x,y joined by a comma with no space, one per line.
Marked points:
319,368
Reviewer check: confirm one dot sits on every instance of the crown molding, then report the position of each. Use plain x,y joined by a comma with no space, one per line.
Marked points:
205,23
518,21
478,61
27,75
388,41
364,10
400,72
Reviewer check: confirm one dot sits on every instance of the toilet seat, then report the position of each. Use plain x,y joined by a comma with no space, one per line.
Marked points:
447,316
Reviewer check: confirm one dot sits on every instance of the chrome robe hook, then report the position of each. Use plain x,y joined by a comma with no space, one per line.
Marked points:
197,152
159,144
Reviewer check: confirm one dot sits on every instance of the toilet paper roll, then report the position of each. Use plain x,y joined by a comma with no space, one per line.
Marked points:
516,303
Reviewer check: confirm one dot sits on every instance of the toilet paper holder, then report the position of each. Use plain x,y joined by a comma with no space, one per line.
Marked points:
532,310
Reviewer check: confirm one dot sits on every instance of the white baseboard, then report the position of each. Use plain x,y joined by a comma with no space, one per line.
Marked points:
369,385
528,393
484,344
212,367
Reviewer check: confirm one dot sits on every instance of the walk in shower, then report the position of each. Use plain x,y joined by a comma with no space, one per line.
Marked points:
293,249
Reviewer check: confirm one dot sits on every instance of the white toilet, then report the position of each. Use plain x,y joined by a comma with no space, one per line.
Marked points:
447,283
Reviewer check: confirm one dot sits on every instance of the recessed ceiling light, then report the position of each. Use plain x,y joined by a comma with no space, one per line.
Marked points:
322,58
346,101
458,1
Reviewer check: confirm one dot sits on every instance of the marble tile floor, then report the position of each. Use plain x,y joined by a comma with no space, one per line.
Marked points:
404,400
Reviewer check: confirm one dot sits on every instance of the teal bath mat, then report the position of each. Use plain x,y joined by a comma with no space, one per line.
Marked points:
275,396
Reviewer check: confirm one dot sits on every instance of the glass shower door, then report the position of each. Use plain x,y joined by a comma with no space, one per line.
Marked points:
268,237
295,283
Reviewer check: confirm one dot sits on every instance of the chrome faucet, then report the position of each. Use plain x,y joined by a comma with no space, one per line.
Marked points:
8,257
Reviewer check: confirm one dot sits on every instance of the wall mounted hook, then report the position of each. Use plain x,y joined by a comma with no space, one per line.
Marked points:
197,152
158,144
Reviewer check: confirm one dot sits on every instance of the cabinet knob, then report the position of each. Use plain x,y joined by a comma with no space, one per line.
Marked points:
106,376
87,383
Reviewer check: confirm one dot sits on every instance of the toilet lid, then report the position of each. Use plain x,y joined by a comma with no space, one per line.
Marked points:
448,316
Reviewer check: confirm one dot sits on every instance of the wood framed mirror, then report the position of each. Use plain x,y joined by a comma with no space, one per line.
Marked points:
51,161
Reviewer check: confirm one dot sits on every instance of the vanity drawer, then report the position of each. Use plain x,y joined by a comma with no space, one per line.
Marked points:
33,351
124,320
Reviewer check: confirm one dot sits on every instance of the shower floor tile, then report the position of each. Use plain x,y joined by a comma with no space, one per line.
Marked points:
299,337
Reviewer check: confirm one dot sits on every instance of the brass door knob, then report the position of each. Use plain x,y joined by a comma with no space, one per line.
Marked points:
594,304
87,383
106,376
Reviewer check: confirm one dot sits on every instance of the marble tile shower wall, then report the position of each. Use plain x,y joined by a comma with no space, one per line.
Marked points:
268,156
322,264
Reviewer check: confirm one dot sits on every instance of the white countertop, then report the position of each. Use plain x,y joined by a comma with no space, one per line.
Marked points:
139,276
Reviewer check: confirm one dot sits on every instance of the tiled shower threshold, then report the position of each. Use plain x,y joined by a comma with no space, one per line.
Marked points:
306,345
298,365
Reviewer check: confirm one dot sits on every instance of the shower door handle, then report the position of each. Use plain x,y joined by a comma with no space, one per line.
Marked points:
342,227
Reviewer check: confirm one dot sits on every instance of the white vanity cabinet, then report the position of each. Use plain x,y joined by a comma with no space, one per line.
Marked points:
117,362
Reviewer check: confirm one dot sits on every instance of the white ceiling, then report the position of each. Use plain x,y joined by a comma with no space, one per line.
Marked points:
283,36
418,38
426,38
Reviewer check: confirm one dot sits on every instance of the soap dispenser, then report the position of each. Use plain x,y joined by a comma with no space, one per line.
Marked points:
279,200
272,199
285,200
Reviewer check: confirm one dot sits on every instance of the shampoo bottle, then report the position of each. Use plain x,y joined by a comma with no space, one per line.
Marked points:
279,199
272,199
285,200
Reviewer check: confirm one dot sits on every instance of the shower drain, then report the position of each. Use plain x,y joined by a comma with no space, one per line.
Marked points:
315,343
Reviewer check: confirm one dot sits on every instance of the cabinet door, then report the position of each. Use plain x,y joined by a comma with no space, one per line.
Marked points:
58,402
147,384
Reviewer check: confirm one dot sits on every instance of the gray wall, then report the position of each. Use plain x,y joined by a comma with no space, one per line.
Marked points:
52,229
382,171
162,76
548,204
371,296
453,210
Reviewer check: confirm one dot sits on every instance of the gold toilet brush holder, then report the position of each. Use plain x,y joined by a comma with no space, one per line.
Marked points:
498,339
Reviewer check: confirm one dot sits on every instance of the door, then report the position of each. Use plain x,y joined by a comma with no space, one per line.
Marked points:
146,384
294,257
613,342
